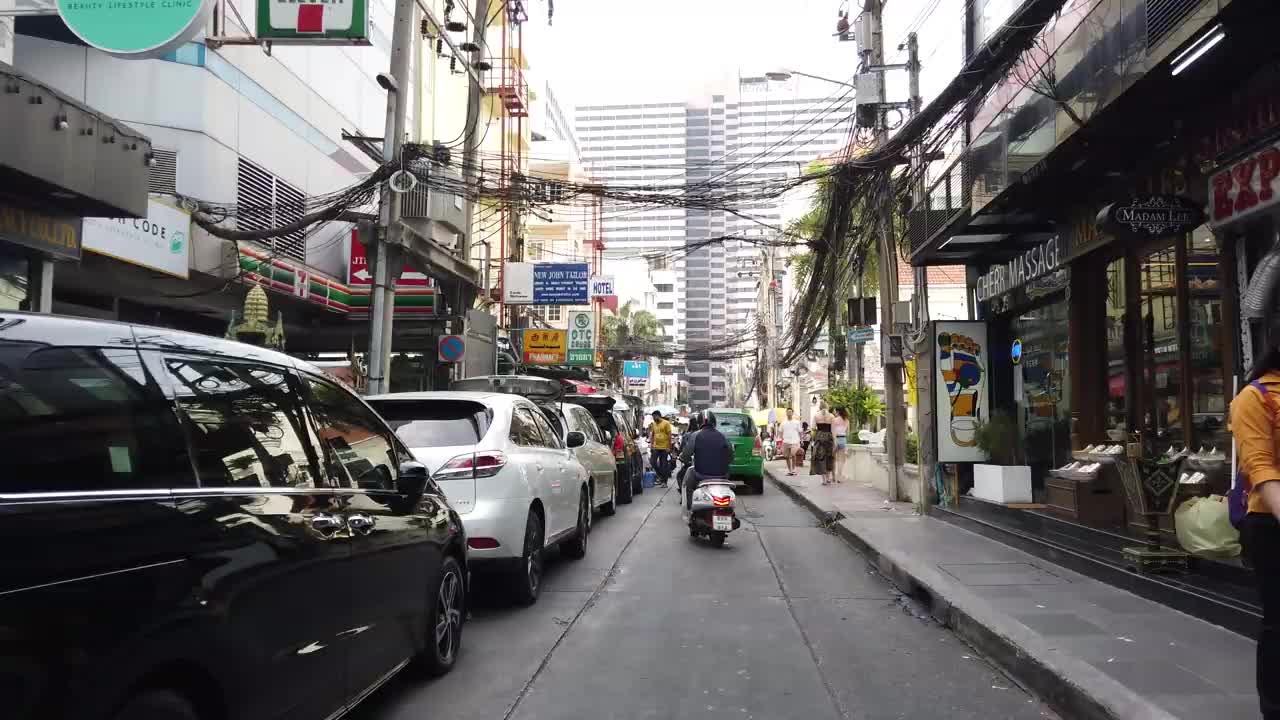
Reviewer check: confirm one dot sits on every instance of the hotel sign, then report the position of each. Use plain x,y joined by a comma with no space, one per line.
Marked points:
55,235
1151,217
1028,266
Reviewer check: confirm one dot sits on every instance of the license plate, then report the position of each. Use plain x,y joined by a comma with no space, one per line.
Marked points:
722,522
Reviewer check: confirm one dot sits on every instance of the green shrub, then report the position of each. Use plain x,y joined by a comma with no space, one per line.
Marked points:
913,448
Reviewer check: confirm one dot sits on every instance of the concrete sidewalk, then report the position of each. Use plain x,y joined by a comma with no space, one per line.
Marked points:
1088,649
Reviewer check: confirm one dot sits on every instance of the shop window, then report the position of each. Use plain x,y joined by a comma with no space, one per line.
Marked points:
14,273
1162,378
1044,405
1117,419
1205,321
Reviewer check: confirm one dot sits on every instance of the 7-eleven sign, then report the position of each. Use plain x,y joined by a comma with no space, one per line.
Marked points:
314,22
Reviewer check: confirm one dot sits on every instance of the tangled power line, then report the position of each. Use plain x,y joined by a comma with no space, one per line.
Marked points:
851,190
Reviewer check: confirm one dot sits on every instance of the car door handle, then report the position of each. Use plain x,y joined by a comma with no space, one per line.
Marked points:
326,523
361,523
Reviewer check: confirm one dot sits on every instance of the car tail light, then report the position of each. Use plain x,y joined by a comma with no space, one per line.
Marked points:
482,543
755,451
618,447
473,465
720,500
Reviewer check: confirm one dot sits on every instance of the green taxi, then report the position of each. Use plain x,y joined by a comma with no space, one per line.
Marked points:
748,456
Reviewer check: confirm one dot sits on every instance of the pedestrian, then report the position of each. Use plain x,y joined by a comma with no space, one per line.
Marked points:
660,441
840,428
806,437
823,443
791,435
1255,423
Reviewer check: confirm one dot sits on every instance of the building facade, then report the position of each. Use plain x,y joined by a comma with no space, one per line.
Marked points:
753,137
1119,240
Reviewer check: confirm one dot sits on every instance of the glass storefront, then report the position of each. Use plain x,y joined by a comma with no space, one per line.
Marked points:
14,274
1044,402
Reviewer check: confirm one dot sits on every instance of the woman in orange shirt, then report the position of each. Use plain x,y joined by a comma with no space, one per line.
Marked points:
1255,422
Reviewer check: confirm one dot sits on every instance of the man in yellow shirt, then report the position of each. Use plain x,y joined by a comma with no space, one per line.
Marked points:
660,441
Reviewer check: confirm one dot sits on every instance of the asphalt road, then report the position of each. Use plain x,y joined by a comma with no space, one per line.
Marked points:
784,621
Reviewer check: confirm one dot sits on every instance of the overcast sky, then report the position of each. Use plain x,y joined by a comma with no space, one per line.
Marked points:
609,51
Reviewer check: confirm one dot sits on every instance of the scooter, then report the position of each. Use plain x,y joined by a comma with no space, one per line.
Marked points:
713,510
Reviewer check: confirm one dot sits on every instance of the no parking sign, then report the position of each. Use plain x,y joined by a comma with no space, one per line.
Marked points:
452,348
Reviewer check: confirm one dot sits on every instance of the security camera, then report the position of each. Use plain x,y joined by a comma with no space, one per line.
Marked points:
388,83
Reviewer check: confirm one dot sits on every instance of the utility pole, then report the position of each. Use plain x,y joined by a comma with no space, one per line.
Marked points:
471,142
387,258
888,262
770,330
927,448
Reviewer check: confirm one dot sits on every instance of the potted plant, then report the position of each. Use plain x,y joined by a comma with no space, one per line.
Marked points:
1002,480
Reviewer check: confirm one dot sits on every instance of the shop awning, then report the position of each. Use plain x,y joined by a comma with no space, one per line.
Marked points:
60,155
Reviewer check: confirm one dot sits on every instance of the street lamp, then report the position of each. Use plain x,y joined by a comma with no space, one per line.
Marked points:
781,75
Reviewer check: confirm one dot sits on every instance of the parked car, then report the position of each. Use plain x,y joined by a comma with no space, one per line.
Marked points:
748,453
549,396
630,433
628,465
514,481
197,528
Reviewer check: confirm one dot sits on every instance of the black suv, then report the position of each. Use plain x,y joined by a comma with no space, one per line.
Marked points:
195,528
612,417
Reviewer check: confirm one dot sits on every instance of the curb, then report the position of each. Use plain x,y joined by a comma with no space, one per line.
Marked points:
1071,687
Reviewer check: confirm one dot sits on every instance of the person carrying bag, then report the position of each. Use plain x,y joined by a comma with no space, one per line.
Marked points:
1254,506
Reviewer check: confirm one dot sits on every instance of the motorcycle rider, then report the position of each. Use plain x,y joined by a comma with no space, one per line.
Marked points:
711,454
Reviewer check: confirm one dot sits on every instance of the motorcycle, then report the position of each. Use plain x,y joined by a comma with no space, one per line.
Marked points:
713,509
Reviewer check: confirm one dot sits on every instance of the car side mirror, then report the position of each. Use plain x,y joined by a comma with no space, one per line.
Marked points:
413,478
576,439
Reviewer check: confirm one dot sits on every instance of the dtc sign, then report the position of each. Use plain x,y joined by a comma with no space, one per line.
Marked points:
135,28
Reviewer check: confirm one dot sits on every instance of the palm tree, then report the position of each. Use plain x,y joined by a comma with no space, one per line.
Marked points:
630,332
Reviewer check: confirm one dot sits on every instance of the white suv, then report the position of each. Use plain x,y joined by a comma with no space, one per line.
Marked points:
515,482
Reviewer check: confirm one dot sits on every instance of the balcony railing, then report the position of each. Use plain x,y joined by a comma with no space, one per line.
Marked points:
944,203
505,79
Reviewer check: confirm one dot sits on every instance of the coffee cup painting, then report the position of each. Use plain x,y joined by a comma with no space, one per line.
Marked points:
960,361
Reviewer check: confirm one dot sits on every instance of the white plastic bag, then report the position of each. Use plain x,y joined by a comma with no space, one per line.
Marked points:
1204,527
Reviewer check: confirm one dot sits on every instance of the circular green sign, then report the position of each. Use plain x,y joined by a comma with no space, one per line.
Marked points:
134,28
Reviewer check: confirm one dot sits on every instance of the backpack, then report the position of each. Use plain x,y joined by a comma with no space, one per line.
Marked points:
1238,497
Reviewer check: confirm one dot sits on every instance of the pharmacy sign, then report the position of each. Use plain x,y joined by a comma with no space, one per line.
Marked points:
135,28
314,22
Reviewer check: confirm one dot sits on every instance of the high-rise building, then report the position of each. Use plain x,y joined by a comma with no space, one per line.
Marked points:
751,140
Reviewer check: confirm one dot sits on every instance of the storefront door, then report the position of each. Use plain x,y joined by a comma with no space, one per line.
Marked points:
1044,398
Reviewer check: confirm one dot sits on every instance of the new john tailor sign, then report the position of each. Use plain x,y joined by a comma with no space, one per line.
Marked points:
1150,217
546,284
1024,268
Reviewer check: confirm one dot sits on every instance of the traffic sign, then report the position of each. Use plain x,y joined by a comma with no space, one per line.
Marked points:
358,271
864,334
452,348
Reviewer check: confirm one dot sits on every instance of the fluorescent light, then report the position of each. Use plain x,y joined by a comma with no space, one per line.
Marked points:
948,242
1197,49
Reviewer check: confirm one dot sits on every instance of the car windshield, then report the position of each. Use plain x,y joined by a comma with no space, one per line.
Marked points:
436,423
734,425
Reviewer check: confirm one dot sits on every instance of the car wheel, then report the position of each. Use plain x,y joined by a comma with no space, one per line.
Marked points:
448,610
157,705
576,546
526,578
611,507
757,485
625,494
637,482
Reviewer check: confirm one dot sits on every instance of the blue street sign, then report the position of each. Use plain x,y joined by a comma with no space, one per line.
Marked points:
561,284
452,347
864,334
1015,352
635,369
